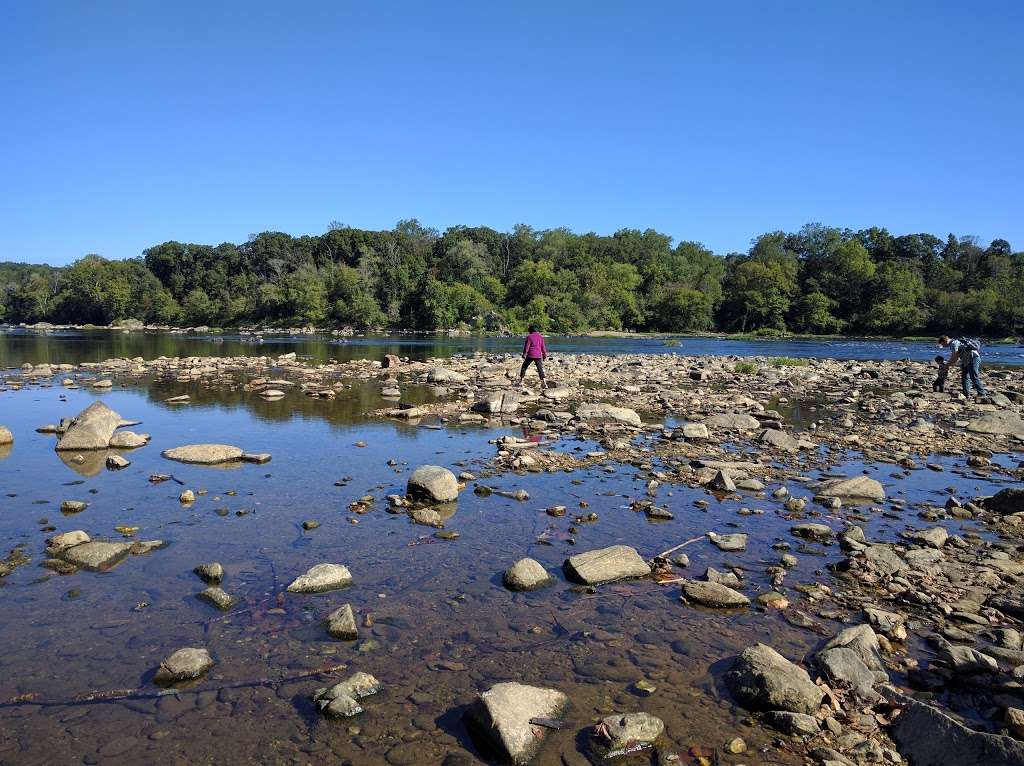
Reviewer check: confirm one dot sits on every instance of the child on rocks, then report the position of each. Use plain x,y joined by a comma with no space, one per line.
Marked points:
940,379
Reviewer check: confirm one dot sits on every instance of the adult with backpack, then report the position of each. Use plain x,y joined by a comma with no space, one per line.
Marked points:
966,351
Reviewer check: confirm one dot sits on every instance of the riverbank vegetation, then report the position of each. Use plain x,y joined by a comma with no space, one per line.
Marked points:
820,280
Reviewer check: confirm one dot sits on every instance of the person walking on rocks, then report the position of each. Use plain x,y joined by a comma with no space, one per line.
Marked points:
534,352
966,351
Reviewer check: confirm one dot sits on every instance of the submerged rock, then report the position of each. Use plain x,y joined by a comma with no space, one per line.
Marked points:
96,555
341,623
321,578
184,665
857,488
623,730
91,429
433,483
762,679
211,573
714,595
204,454
617,562
217,597
526,574
502,714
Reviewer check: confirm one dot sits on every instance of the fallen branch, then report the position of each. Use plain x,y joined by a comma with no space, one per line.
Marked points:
681,545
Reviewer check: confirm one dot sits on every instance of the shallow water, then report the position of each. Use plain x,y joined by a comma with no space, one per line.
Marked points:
443,628
76,346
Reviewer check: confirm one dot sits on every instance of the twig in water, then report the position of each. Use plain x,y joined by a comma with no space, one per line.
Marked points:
681,545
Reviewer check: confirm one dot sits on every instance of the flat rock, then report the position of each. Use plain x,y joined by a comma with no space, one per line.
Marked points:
433,483
65,540
96,555
91,429
934,538
857,488
730,543
321,578
601,412
812,531
733,421
341,623
256,457
797,724
204,454
499,402
184,665
1002,423
762,679
441,375
780,440
502,715
714,595
617,562
128,440
526,574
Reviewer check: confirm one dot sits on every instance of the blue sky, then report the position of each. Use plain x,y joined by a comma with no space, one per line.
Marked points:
125,124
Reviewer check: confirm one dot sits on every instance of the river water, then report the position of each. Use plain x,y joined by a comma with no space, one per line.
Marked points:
436,626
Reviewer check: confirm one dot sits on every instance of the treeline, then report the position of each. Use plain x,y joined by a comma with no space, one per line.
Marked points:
817,280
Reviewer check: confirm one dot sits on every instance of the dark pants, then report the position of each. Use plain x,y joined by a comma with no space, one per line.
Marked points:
970,373
527,362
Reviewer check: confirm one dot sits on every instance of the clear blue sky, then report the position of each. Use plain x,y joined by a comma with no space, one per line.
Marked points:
125,124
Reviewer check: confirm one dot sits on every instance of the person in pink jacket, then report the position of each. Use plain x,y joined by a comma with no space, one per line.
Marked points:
535,352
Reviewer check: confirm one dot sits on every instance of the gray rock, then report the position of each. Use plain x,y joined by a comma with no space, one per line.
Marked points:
857,488
340,700
714,595
128,440
1003,423
441,375
843,668
780,440
728,579
321,578
341,623
502,714
723,482
863,641
695,431
204,454
762,679
601,412
526,574
935,537
217,597
883,559
96,555
433,483
259,458
73,506
617,562
625,729
730,543
184,665
91,429
733,421
812,531
967,661
117,462
427,517
59,543
796,724
499,402
928,737
211,573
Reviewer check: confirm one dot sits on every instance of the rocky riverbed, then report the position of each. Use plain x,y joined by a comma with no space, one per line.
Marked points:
677,559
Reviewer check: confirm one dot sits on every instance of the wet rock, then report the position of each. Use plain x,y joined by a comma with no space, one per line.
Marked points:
128,440
730,543
617,562
714,595
259,458
212,573
728,579
187,497
622,730
59,543
73,506
812,531
526,574
501,715
341,623
6,437
795,724
1004,423
935,537
204,454
762,679
142,547
433,483
340,700
217,597
117,462
96,555
857,488
321,578
91,429
427,516
928,737
883,559
601,412
722,482
184,665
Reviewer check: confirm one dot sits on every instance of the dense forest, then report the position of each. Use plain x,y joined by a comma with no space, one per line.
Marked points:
817,280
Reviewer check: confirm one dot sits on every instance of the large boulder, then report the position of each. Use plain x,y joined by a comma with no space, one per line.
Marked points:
617,562
204,454
604,413
1006,501
1003,423
762,679
91,429
502,714
433,483
504,403
441,375
857,488
861,639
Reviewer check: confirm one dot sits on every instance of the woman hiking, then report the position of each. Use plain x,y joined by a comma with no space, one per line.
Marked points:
535,352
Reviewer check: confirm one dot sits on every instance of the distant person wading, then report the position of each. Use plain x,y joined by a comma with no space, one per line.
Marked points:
966,351
534,352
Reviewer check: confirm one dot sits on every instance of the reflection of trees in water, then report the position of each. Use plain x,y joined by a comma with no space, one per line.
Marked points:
74,347
351,405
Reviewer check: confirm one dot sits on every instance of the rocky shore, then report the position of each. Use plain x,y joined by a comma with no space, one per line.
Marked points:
930,665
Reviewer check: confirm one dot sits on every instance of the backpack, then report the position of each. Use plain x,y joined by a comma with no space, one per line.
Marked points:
971,344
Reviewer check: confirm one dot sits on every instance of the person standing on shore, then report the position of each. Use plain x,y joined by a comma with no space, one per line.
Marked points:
534,352
967,352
